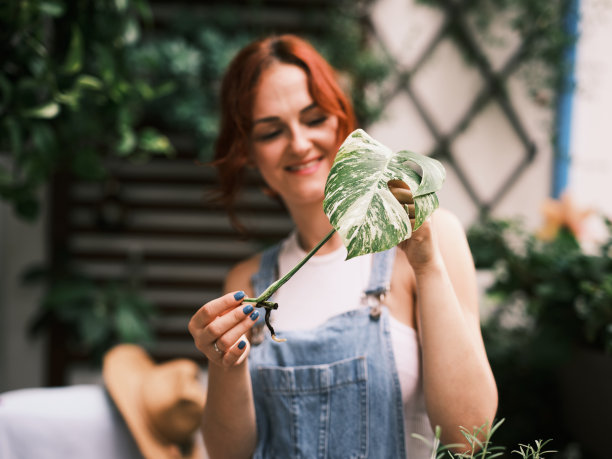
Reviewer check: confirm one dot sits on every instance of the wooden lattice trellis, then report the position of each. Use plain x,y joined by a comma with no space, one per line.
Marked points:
494,90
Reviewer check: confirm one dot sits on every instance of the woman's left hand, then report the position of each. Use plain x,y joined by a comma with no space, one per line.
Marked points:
420,248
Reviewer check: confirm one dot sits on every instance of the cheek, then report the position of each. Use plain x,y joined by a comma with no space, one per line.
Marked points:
266,166
264,162
332,140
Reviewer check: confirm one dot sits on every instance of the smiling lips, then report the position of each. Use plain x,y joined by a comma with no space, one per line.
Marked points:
306,167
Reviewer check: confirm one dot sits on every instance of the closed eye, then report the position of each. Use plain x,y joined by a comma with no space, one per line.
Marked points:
317,121
269,135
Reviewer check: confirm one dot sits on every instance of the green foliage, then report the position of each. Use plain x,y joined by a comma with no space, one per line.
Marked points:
479,445
186,60
566,291
68,94
94,317
552,298
531,452
189,55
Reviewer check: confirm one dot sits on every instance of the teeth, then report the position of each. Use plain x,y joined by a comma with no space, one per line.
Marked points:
303,166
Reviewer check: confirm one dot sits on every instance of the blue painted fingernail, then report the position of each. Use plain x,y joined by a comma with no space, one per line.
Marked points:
247,309
241,344
254,316
239,295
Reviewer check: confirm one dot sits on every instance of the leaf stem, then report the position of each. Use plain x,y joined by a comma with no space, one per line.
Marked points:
261,301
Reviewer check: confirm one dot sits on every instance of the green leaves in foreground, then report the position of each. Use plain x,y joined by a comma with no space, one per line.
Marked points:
358,201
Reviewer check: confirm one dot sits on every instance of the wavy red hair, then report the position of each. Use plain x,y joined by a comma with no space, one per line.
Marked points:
237,97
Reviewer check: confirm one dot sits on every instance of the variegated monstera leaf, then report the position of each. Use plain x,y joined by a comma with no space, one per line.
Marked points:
358,201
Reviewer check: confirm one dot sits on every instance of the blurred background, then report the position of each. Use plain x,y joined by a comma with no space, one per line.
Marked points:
108,113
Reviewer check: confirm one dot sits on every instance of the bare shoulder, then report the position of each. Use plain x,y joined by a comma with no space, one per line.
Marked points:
457,256
447,223
239,276
451,235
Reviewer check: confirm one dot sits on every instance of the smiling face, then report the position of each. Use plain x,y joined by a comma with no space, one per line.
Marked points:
293,142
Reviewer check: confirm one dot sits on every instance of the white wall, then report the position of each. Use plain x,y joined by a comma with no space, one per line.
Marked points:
22,245
590,177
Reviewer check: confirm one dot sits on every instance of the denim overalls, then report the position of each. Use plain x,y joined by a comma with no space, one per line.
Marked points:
330,392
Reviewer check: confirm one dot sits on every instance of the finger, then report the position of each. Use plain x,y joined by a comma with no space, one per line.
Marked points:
221,334
228,329
214,308
405,197
402,195
237,353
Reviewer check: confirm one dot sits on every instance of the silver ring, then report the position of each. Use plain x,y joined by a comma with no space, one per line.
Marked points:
217,347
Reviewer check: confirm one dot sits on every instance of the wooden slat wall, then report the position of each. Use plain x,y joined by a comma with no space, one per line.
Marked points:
156,224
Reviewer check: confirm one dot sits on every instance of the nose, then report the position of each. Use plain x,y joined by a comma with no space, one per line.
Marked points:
300,141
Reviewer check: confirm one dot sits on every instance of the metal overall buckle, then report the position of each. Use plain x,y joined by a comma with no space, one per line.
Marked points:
374,299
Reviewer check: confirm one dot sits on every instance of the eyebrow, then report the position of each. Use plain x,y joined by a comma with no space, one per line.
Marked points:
269,119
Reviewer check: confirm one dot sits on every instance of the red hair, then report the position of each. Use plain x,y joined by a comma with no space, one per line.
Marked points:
238,94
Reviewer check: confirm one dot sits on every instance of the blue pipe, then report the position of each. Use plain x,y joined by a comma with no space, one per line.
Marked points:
562,157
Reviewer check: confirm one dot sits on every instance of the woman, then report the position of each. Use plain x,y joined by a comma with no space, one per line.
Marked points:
353,379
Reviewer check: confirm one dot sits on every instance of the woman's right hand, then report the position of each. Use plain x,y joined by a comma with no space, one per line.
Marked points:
219,329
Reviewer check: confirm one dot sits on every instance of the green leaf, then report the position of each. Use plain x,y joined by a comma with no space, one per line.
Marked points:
88,82
46,111
154,142
52,8
127,140
121,5
358,201
69,98
74,58
131,32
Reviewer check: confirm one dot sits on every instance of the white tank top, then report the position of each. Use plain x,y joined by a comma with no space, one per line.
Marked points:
328,285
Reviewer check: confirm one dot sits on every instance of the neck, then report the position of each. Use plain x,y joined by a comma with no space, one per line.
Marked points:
312,226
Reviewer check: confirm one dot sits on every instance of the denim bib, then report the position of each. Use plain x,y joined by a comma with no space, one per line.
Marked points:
332,391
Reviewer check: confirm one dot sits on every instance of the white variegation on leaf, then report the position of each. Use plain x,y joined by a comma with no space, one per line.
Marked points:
358,201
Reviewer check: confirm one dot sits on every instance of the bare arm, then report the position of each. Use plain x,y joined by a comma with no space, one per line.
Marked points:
459,386
228,423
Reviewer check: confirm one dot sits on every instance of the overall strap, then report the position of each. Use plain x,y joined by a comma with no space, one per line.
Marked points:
380,280
380,275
